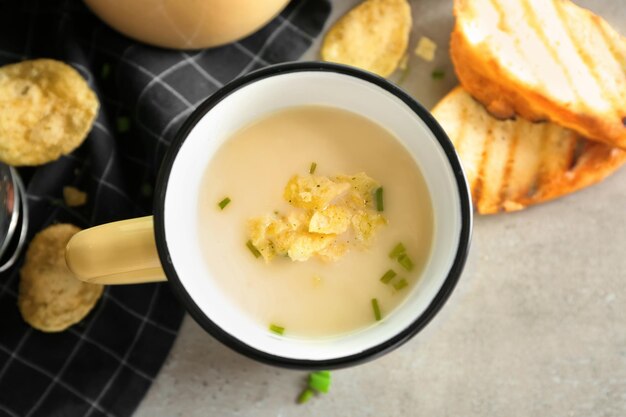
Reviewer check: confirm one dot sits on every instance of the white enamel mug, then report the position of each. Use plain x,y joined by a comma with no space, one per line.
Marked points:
167,245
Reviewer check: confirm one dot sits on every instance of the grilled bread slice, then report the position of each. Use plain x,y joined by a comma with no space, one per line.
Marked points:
512,164
544,60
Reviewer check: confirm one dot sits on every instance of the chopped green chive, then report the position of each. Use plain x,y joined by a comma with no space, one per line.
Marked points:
400,284
438,74
146,189
389,275
376,309
224,203
319,381
105,71
123,124
379,199
312,168
405,262
277,329
253,249
398,250
305,396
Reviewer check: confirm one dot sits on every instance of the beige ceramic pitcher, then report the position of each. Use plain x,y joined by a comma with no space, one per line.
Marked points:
186,24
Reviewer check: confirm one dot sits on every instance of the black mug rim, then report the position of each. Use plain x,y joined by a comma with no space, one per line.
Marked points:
385,346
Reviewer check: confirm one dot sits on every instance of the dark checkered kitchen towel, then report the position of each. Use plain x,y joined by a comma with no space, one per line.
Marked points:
105,364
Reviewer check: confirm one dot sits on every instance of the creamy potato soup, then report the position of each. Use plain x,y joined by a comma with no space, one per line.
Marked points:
315,221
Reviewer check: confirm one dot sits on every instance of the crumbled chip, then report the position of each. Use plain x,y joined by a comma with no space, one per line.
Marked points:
313,192
306,245
333,251
74,197
362,188
365,225
426,49
298,220
331,220
314,227
273,235
284,230
258,229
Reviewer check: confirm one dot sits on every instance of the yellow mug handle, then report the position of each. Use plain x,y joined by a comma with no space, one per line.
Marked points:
122,252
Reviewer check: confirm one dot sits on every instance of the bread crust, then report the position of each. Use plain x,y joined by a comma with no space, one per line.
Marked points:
483,75
563,162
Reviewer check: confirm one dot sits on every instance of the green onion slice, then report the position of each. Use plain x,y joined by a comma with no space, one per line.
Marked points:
438,74
305,396
379,199
389,275
224,203
123,124
313,168
398,250
105,71
400,284
277,329
146,189
405,262
376,309
253,249
320,381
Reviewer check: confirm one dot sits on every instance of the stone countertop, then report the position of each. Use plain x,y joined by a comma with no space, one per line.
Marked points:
536,327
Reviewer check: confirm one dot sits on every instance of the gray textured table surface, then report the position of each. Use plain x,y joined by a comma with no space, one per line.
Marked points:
536,327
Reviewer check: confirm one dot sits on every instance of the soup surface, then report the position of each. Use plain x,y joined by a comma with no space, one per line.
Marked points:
312,298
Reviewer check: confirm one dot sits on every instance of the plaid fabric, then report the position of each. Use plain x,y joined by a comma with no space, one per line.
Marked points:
105,364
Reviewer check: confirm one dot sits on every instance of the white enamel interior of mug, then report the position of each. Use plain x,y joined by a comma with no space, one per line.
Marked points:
269,95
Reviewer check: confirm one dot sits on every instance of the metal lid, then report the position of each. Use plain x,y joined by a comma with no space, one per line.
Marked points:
9,207
13,216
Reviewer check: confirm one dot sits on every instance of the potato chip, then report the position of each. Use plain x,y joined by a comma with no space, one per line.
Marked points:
373,36
50,298
365,225
331,220
46,110
306,245
327,213
362,189
74,197
333,252
313,192
426,49
258,229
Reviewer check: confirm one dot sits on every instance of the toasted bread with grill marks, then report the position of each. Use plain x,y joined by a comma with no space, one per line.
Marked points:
511,164
543,60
